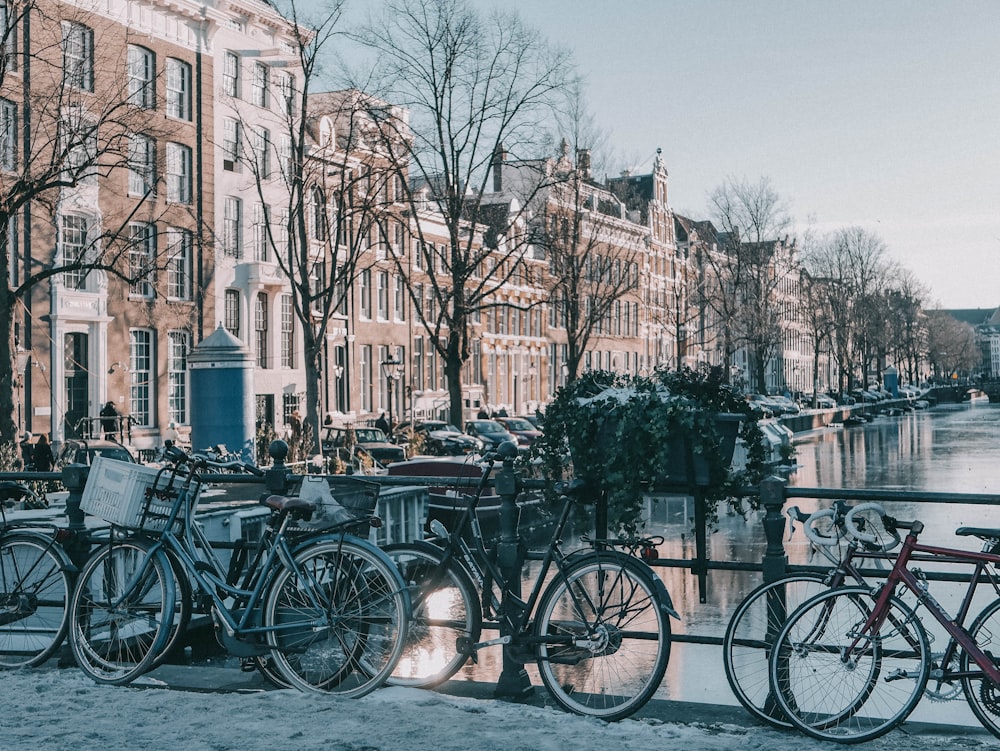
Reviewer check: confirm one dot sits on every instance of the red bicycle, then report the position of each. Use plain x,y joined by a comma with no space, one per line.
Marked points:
850,664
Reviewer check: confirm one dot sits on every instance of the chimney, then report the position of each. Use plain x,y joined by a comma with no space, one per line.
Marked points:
583,162
499,157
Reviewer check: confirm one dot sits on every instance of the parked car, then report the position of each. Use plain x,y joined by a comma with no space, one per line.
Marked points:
490,432
521,429
370,441
440,438
84,450
784,404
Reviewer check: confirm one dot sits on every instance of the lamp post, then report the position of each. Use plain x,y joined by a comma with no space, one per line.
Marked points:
392,371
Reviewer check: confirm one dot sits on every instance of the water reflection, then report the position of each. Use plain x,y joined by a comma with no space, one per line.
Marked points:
946,449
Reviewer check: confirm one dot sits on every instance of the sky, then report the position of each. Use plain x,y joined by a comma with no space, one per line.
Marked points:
52,709
874,114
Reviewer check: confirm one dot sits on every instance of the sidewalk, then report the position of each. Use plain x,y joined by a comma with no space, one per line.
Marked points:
224,675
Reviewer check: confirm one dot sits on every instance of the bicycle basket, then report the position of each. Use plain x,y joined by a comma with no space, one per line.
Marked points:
340,500
125,494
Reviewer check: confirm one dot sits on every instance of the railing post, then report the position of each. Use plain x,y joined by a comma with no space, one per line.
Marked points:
772,498
513,682
74,478
276,478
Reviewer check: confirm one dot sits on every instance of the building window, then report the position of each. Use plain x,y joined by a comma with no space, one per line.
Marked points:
287,333
285,157
261,85
232,227
178,173
140,376
177,352
141,255
260,329
382,295
178,89
8,37
78,56
399,298
287,85
8,135
261,241
231,312
141,165
179,245
78,140
262,152
318,215
231,75
73,248
365,371
232,143
365,293
141,74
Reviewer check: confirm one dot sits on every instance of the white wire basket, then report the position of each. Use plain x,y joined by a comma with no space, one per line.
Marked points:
123,493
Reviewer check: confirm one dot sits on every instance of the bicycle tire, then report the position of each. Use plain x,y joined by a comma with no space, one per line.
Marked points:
746,646
444,606
611,600
116,630
364,609
183,606
981,694
35,589
859,699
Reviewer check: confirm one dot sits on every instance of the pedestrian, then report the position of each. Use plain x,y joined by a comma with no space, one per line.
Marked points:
383,424
483,414
27,462
110,423
42,456
171,435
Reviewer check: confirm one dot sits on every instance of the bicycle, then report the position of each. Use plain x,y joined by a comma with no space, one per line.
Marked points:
36,579
329,611
850,664
750,634
597,629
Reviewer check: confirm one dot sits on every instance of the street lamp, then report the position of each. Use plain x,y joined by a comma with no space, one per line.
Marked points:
392,371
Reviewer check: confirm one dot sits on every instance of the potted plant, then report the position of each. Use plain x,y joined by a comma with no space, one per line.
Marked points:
628,435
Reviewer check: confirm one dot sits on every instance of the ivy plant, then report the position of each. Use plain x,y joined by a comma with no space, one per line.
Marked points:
629,434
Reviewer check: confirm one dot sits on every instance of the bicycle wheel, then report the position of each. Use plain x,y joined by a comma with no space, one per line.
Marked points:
183,606
836,681
35,588
121,611
337,621
618,637
982,694
750,635
444,607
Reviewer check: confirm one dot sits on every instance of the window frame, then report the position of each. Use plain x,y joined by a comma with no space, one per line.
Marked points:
140,71
179,89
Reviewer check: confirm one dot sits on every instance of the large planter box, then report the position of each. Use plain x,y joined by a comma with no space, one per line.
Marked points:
690,468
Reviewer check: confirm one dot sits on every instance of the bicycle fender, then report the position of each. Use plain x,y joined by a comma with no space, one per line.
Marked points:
666,602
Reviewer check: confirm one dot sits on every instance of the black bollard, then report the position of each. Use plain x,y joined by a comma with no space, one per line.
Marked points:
276,478
74,478
772,498
513,682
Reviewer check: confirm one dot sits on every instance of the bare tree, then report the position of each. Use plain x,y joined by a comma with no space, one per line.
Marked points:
951,345
907,323
746,276
477,88
330,191
70,122
853,266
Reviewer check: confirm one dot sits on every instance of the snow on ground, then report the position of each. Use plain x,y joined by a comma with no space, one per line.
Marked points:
53,709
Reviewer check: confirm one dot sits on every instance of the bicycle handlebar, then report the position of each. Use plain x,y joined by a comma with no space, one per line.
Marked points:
178,457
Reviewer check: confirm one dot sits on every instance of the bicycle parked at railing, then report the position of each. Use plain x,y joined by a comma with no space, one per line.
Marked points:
36,579
329,611
595,621
746,646
850,664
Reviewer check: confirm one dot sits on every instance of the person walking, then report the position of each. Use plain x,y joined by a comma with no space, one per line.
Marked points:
382,423
42,456
26,450
110,421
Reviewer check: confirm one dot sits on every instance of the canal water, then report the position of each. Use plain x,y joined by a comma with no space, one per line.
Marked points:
949,448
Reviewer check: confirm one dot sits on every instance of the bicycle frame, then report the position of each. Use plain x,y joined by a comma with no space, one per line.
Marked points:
901,574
